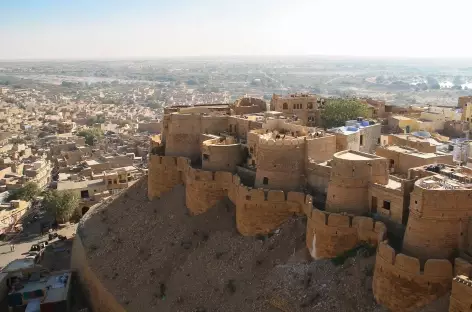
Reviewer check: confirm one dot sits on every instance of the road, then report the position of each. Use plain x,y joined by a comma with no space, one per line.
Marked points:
30,235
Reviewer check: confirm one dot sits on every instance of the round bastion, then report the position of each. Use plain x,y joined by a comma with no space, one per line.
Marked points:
439,213
222,154
280,161
351,174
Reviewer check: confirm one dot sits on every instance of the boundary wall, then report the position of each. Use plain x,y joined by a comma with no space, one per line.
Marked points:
260,211
330,234
100,299
402,284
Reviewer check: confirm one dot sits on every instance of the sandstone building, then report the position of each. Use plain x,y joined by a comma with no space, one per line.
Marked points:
350,187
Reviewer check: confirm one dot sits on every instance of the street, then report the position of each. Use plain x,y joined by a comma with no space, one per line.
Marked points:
30,235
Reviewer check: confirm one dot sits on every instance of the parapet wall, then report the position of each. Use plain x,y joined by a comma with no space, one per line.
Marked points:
402,284
330,234
260,211
461,294
164,174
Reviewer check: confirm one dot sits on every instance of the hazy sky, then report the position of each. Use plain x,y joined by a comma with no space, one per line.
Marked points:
153,28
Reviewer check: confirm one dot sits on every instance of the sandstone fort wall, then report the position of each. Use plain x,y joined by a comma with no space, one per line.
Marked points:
217,156
330,234
260,211
281,164
318,176
401,284
349,181
319,149
183,136
100,299
438,221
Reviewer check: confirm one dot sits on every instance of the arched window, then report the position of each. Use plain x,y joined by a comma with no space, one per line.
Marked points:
285,106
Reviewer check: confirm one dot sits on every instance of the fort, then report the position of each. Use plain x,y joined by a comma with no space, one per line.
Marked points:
401,196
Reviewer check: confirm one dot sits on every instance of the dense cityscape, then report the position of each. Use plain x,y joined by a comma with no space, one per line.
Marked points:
236,156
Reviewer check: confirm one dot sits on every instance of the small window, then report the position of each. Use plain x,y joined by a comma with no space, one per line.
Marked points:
310,105
362,140
378,141
285,106
251,150
386,205
206,157
248,197
265,181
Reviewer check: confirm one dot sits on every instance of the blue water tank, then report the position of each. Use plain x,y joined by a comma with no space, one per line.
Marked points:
365,123
351,128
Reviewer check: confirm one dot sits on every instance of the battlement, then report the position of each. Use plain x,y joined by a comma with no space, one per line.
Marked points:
331,234
402,283
259,194
463,280
412,265
278,140
222,177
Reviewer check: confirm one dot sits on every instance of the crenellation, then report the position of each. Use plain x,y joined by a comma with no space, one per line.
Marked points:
286,158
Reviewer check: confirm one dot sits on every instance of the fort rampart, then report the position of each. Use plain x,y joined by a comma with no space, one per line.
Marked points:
100,299
281,163
403,284
330,234
438,221
351,173
260,211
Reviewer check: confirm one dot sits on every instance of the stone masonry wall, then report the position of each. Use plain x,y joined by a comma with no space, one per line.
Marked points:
100,299
349,181
330,234
260,211
438,222
402,285
281,164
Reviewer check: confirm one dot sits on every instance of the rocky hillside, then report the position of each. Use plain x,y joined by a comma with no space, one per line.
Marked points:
154,256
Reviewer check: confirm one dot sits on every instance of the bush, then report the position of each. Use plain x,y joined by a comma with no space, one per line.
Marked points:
62,205
337,111
91,135
27,192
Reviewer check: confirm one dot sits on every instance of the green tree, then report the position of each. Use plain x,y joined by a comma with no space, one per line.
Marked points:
61,205
337,111
91,134
28,192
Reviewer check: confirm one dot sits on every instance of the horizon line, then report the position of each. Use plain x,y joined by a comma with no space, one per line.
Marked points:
228,56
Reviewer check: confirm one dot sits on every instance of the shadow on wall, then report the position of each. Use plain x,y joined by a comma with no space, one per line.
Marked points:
401,284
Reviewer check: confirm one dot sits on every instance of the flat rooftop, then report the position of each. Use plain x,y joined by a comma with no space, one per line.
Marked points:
55,286
399,149
352,156
75,185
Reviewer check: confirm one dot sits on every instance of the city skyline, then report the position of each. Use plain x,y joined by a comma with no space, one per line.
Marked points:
152,29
